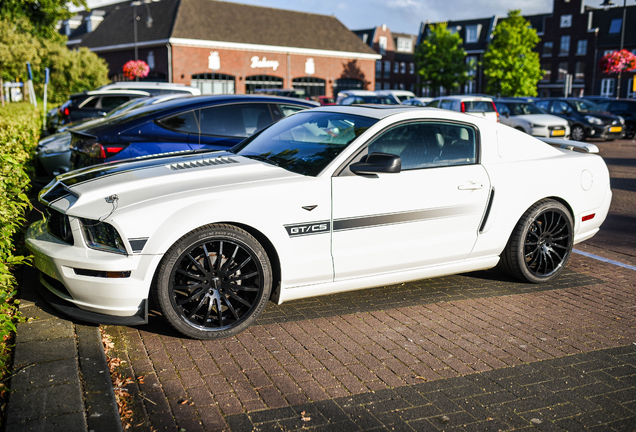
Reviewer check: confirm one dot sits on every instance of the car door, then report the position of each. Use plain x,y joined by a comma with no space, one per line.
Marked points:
428,214
223,126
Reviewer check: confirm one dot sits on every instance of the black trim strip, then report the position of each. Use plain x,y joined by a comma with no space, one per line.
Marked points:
488,207
137,244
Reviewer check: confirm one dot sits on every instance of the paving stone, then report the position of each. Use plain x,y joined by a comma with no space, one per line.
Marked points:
45,402
44,351
42,330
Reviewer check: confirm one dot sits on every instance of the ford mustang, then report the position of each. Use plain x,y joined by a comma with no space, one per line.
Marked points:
327,200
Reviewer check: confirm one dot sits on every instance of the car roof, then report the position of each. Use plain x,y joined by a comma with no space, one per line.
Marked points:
465,97
112,92
358,93
377,111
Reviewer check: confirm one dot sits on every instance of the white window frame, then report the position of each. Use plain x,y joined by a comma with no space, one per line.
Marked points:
581,47
471,60
396,67
545,45
404,44
608,86
412,68
403,68
469,87
566,21
382,43
472,33
564,46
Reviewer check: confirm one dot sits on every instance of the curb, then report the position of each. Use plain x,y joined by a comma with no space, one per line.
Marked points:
61,382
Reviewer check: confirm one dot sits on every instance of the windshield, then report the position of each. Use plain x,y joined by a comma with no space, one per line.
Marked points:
586,107
131,104
523,109
305,143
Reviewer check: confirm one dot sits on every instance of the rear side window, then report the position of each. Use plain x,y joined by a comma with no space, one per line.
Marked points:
479,106
290,109
543,105
90,102
186,122
111,102
433,104
446,104
240,120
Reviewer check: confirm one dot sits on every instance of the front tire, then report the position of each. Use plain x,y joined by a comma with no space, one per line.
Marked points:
214,282
541,243
577,133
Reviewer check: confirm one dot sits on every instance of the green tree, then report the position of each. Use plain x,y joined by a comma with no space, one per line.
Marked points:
43,15
511,66
441,59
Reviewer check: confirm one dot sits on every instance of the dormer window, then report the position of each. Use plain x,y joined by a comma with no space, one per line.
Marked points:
382,44
404,44
472,33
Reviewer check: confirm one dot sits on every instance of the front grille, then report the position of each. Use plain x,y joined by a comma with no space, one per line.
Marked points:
56,284
58,225
556,127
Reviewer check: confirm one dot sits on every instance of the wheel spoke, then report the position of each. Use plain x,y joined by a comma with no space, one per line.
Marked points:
219,255
207,257
196,309
243,288
206,317
187,287
230,307
197,264
239,299
231,260
219,310
235,269
190,297
190,275
243,277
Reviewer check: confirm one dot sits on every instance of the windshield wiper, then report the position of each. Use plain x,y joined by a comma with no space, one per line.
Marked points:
261,158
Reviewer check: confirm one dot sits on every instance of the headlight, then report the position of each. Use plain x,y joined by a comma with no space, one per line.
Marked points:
594,120
536,125
621,119
102,236
59,145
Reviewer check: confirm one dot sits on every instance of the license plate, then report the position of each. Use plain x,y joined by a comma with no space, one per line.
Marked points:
616,129
558,132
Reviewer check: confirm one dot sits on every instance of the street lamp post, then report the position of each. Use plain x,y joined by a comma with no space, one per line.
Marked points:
136,18
606,4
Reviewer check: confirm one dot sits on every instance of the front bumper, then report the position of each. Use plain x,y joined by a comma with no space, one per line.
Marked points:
606,132
92,298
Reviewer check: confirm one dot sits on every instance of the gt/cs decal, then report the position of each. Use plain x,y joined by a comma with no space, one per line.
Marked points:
308,228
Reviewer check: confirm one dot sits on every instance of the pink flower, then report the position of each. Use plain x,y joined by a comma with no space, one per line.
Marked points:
618,61
136,69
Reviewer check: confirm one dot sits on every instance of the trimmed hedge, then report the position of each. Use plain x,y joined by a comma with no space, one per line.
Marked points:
19,134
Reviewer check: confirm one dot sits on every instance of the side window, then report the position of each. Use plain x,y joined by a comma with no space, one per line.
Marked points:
428,145
503,109
290,109
239,120
111,102
434,104
446,104
543,104
186,122
559,107
90,103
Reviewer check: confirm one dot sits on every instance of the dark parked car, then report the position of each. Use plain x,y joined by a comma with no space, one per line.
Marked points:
87,105
625,108
586,119
199,122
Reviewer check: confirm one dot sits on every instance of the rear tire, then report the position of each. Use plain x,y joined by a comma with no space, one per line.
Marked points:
541,243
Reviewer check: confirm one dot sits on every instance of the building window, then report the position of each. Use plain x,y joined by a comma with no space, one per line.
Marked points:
606,52
387,86
365,38
565,45
378,68
262,82
566,21
469,87
563,71
615,26
607,87
382,44
378,86
472,33
579,71
581,47
630,88
471,65
403,67
548,72
547,48
343,84
312,86
213,83
412,68
401,86
387,69
404,44
396,67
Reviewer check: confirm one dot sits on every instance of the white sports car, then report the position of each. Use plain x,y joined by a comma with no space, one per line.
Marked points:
328,200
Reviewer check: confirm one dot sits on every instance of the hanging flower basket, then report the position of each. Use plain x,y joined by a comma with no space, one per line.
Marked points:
618,61
136,69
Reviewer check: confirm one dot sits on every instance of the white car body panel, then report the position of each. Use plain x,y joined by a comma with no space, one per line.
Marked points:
171,196
536,124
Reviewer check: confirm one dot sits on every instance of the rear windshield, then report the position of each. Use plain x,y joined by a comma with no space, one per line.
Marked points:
479,106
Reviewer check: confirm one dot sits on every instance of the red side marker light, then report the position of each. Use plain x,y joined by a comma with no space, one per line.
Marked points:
463,107
588,217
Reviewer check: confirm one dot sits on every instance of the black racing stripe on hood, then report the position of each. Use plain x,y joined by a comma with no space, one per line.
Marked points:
74,178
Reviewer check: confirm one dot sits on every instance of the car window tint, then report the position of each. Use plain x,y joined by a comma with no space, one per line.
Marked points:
90,102
428,145
617,106
433,104
186,122
559,107
478,106
239,120
447,104
543,104
290,109
503,109
111,102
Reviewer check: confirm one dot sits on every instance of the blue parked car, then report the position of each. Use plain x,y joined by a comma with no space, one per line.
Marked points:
199,122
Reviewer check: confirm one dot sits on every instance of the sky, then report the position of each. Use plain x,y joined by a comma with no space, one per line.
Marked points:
401,16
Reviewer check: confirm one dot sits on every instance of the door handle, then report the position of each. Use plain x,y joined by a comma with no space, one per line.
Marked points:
470,186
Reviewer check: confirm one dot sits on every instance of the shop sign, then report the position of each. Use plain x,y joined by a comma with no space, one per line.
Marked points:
257,63
214,61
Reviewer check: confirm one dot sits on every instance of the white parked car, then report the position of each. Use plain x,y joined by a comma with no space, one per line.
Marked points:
531,119
418,101
478,106
326,200
398,95
154,88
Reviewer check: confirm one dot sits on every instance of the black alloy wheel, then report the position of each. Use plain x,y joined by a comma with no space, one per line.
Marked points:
630,130
214,282
577,133
541,243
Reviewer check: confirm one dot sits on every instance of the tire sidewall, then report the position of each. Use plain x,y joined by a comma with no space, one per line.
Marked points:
162,290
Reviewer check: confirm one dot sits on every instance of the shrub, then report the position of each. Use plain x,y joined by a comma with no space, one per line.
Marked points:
19,133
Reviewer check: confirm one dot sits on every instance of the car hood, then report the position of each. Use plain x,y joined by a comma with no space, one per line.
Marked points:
543,119
86,192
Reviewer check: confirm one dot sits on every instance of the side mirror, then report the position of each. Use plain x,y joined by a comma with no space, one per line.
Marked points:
377,163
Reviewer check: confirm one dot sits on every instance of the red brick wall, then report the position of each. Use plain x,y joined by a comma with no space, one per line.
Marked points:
187,61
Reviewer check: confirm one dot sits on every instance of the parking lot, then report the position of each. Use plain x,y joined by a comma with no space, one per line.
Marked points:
476,351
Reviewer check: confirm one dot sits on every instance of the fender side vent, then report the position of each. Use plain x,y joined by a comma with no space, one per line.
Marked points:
488,207
221,160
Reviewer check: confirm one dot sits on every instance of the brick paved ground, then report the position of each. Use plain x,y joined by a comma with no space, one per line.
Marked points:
469,352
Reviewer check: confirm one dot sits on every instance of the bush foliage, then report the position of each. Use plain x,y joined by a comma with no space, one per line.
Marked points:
19,133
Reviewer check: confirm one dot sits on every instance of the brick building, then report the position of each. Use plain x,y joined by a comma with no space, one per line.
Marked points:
396,69
224,47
